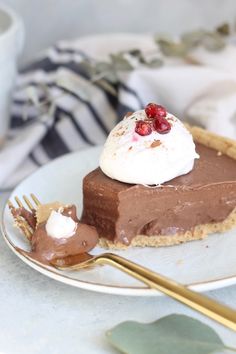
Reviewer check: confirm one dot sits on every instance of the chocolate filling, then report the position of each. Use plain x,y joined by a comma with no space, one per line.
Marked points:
121,211
47,249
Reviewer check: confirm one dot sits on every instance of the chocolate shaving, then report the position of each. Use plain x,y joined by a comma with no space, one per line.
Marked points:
155,143
119,133
128,114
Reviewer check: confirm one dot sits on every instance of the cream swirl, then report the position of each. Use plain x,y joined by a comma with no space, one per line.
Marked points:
152,159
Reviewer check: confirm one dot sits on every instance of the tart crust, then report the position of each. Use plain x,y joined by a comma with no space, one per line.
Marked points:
222,145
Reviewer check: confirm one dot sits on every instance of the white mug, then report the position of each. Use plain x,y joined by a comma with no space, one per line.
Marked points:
11,45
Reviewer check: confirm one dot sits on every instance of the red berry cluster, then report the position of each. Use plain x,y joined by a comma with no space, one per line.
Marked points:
156,120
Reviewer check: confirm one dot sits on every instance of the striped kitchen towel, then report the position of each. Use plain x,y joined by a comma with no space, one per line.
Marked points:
70,112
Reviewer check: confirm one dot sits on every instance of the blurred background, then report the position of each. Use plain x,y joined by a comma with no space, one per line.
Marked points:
71,69
46,21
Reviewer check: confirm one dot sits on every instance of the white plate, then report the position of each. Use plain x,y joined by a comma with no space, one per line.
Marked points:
203,265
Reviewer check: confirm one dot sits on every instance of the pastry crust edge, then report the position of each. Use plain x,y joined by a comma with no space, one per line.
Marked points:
219,143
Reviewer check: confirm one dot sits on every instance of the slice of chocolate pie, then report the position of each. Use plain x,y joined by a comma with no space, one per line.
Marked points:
175,196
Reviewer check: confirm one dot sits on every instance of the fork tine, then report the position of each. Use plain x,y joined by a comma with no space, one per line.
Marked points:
20,205
10,205
20,221
28,203
35,199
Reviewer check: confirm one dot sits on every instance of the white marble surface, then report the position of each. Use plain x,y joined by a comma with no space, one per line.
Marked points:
39,315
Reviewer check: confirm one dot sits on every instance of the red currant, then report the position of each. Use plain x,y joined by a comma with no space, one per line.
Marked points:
154,110
161,125
143,128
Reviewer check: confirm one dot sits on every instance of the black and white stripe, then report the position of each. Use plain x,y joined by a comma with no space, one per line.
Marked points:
82,115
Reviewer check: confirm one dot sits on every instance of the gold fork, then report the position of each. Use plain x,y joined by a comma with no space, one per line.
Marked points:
216,311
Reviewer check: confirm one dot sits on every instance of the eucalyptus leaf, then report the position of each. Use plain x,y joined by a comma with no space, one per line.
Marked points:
70,82
105,70
155,63
137,54
120,63
213,42
32,94
51,109
87,67
171,48
162,37
112,77
223,29
103,66
173,334
109,75
193,39
107,87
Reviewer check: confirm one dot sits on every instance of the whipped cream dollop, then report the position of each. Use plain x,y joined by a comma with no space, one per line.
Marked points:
152,159
60,226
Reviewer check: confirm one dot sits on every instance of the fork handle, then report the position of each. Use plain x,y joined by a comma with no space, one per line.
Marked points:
216,311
